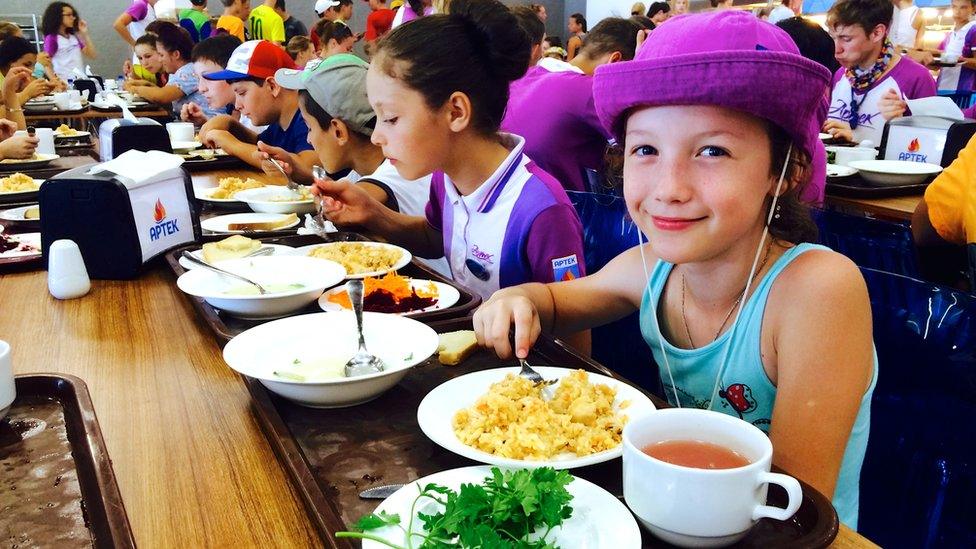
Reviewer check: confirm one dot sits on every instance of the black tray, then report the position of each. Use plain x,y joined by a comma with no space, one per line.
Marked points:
332,455
854,186
70,496
218,163
225,327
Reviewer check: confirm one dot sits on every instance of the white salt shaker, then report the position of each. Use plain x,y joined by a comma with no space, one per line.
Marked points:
67,276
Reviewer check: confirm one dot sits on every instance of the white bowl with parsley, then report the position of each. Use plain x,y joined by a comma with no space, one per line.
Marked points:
293,282
301,358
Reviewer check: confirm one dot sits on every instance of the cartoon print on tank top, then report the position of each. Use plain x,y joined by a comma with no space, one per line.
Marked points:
738,396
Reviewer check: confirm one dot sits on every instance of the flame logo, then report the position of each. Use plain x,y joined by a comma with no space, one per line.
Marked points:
159,212
913,146
568,275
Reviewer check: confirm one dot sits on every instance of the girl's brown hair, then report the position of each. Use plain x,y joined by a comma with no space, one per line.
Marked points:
477,48
793,223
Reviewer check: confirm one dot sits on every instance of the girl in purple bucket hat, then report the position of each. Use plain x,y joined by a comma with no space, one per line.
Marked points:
744,315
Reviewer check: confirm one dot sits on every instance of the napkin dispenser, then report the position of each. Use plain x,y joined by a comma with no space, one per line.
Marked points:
119,225
120,134
931,139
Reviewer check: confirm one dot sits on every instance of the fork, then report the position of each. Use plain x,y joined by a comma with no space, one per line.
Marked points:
317,224
292,186
535,377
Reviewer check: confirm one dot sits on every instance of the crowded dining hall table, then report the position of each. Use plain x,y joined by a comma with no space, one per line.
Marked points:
193,466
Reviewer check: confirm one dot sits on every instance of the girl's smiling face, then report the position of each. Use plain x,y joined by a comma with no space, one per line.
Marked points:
414,137
697,179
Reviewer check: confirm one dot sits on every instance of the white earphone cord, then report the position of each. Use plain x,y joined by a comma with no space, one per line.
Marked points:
742,300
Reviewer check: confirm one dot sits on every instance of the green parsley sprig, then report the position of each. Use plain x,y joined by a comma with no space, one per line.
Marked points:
500,513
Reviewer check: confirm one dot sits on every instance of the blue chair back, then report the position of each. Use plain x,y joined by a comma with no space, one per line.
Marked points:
962,98
607,232
918,483
870,243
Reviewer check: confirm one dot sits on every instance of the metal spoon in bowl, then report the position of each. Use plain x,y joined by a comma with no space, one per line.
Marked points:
363,362
192,259
292,186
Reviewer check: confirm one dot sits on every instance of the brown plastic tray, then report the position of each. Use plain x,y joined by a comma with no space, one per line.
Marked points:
225,326
332,455
57,487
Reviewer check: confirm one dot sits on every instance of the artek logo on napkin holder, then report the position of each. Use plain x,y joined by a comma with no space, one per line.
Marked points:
119,225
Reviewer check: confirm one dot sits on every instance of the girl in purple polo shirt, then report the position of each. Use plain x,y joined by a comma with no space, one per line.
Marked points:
439,86
743,315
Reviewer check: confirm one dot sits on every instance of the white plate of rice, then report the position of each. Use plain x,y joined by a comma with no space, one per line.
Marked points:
361,259
577,429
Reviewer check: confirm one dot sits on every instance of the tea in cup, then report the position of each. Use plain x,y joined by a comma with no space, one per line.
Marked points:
697,478
7,390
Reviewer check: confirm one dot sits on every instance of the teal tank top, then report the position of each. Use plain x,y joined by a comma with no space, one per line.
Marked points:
745,390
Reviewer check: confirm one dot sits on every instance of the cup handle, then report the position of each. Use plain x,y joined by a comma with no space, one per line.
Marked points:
794,497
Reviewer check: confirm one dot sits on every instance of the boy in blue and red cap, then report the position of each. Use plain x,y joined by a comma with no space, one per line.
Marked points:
743,314
250,72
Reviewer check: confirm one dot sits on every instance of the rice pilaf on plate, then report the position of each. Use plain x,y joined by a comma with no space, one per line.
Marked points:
514,420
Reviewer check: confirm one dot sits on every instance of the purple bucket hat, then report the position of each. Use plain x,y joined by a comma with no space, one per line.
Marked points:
726,58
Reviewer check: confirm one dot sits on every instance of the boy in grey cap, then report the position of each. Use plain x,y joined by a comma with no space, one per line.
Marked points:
333,102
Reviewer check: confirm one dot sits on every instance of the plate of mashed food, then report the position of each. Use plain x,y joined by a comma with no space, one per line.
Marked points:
499,418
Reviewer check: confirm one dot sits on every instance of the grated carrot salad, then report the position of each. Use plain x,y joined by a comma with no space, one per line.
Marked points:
396,285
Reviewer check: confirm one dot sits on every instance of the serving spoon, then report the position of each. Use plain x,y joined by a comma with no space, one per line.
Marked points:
192,259
363,362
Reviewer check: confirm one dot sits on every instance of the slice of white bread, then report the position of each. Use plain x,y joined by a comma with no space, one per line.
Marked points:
229,248
264,225
454,347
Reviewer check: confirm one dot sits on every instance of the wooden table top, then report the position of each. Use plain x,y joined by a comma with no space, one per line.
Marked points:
155,112
192,464
899,208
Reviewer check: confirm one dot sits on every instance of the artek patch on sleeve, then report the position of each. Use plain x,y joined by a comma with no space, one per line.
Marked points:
565,268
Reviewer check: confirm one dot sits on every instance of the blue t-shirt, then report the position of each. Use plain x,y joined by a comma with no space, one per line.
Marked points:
293,139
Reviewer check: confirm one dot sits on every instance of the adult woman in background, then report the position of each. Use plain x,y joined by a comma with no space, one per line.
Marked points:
577,30
66,39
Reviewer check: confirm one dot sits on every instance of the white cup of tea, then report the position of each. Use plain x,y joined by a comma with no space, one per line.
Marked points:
8,391
843,156
62,100
180,131
693,506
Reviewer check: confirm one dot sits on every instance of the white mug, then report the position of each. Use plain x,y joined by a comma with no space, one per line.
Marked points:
7,390
692,507
180,131
45,139
843,156
62,100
